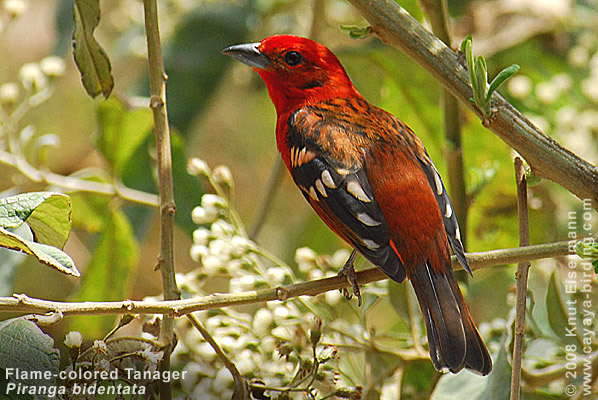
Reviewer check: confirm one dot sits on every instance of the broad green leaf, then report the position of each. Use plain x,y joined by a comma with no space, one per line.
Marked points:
47,214
92,61
499,380
11,260
417,377
48,255
559,312
122,131
24,346
89,211
501,78
467,385
397,294
464,385
108,275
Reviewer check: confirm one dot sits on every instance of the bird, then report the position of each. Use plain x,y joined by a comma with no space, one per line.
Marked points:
370,179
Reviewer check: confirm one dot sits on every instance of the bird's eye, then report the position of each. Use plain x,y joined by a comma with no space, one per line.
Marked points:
293,58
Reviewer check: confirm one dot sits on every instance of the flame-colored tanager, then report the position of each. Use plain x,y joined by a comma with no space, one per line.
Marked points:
370,179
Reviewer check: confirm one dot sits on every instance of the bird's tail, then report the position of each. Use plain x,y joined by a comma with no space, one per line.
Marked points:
453,338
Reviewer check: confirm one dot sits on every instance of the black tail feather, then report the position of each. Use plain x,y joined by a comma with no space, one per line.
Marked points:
452,336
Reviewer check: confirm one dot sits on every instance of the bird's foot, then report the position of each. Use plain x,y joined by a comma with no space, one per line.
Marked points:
348,270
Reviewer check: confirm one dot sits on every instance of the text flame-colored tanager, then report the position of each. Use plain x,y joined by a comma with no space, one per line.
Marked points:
370,179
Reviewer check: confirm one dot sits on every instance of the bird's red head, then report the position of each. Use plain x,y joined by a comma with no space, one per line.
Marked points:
296,70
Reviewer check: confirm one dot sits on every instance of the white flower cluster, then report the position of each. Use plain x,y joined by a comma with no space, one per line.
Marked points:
34,77
270,342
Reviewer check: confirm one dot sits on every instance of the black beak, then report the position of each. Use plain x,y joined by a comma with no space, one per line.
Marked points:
247,53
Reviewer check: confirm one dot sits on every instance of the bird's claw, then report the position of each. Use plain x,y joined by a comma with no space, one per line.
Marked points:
348,270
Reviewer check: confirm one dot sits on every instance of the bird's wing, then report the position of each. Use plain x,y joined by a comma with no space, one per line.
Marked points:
449,218
341,195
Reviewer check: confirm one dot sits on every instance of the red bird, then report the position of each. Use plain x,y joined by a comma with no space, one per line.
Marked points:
370,179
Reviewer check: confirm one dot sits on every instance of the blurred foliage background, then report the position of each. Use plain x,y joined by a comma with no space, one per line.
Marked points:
220,112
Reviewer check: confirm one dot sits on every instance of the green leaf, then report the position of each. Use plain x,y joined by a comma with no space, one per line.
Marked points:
47,214
417,377
481,73
499,381
467,49
466,45
587,250
89,210
108,275
466,385
92,61
122,131
558,311
501,78
398,297
24,346
11,260
48,255
460,386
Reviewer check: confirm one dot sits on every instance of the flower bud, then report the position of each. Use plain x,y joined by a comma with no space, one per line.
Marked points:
197,167
52,66
15,7
73,339
315,332
32,77
212,203
9,93
200,215
201,236
222,228
198,251
223,175
99,346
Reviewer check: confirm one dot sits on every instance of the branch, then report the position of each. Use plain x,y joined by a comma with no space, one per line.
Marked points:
521,275
69,183
23,304
165,263
547,158
240,386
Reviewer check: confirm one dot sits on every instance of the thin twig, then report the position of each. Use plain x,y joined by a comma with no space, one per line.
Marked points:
157,77
74,184
23,304
521,275
238,378
547,158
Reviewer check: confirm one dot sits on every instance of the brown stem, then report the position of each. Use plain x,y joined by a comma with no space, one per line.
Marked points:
547,158
21,303
238,378
521,275
165,185
73,184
